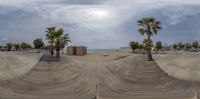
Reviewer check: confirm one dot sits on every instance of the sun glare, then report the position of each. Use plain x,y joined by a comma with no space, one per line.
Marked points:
99,14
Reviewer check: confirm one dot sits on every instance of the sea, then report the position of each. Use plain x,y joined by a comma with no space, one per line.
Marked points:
102,51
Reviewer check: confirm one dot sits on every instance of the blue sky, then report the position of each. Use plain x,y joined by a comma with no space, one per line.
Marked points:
98,23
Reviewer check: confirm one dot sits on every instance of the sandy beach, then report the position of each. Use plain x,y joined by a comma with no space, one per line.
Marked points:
96,75
101,57
99,49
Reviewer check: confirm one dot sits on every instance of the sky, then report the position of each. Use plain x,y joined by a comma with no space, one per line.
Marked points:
99,23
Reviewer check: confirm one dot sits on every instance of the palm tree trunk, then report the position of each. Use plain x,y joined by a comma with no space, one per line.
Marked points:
62,51
147,51
58,53
156,50
58,49
52,51
149,58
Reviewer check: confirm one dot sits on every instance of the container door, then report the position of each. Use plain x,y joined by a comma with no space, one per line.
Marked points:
86,51
70,50
79,51
74,51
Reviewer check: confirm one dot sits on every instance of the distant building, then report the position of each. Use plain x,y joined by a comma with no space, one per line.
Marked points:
3,48
77,50
13,47
125,48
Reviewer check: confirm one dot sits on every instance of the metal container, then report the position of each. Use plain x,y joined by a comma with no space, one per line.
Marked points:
80,51
70,50
77,50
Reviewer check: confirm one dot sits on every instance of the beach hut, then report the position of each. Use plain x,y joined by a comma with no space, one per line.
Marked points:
70,50
77,50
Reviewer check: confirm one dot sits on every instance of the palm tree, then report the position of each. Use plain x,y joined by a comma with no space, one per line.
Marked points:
146,44
51,36
64,41
149,26
61,41
58,38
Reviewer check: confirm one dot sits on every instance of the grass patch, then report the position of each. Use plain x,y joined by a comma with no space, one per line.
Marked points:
121,57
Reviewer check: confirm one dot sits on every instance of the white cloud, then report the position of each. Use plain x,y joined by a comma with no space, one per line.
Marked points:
84,23
174,10
179,13
81,15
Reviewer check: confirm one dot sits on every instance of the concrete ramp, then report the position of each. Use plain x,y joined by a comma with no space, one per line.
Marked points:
15,64
182,65
135,78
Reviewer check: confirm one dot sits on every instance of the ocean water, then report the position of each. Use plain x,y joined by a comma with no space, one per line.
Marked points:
102,51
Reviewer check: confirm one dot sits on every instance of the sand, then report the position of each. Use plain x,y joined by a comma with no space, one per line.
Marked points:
15,64
101,57
182,65
88,77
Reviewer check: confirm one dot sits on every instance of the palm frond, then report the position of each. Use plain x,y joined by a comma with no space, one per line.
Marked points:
149,25
142,31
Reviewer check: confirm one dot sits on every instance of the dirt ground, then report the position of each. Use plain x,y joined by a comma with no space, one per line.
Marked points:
75,77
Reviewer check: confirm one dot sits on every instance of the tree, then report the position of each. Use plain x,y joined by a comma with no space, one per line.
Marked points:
175,46
58,38
29,46
47,47
17,47
149,26
61,40
9,46
146,44
50,35
158,46
187,46
38,44
195,44
180,45
140,46
134,45
25,46
64,41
